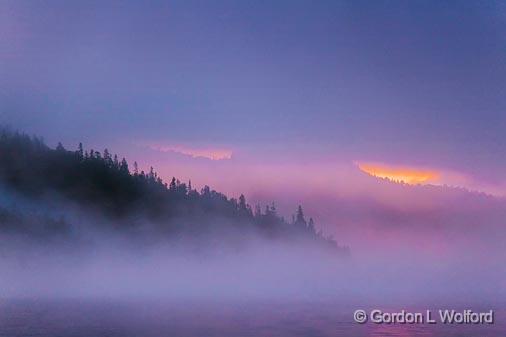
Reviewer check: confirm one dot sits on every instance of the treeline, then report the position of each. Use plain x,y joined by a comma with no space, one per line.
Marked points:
105,184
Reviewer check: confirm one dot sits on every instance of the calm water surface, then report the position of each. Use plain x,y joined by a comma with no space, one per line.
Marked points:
85,318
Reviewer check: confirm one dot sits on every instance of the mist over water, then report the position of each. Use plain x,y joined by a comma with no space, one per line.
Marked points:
115,265
117,287
231,280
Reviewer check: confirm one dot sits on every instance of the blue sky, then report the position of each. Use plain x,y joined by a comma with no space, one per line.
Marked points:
417,83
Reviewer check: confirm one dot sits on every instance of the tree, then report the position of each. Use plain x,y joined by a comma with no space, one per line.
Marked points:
205,192
181,188
124,166
107,158
172,185
242,203
311,225
80,151
300,221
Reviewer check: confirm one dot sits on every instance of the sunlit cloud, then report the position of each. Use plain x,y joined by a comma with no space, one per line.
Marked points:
194,152
422,175
408,175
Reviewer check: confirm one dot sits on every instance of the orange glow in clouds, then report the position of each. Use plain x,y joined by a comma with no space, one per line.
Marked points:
208,153
410,176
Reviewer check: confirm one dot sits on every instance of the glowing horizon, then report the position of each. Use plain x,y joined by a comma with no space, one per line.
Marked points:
408,175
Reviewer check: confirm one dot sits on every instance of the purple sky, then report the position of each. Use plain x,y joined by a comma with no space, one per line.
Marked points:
295,92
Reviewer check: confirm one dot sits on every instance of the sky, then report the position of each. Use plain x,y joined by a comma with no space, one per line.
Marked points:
290,101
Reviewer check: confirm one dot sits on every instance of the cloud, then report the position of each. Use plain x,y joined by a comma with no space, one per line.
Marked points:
194,152
408,175
413,175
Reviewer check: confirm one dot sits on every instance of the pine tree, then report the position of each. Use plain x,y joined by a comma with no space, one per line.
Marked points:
311,225
152,173
299,218
172,185
124,166
80,151
242,203
107,158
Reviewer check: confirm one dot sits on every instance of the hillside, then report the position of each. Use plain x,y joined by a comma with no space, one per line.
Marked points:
122,198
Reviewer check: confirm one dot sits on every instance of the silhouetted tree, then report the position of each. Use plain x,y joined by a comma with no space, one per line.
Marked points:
310,226
80,151
172,185
124,166
300,221
107,158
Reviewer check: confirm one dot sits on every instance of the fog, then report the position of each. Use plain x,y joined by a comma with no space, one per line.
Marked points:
387,264
117,267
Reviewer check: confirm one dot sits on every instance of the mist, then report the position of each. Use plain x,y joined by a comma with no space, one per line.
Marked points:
90,243
415,259
99,264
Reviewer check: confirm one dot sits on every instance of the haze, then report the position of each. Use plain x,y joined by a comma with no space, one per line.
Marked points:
283,102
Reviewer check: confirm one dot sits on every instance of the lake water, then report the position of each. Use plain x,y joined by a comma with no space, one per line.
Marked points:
86,318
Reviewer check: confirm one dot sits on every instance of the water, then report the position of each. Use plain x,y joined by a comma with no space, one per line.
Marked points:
87,318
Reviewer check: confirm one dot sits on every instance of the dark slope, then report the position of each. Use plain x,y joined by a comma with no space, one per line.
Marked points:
100,183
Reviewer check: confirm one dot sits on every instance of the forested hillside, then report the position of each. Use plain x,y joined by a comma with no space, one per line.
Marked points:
104,185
